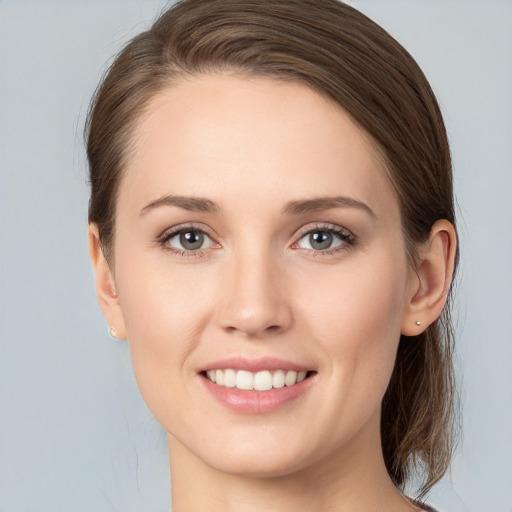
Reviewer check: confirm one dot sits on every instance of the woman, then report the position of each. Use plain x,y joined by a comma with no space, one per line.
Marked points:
271,228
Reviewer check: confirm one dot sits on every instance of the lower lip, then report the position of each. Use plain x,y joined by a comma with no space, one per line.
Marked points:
257,402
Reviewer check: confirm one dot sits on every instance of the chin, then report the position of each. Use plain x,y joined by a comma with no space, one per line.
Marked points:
262,458
259,466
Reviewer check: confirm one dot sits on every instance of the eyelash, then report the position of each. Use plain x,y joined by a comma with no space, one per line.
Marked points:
347,237
184,228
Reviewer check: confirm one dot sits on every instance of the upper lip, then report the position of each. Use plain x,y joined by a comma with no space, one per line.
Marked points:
254,365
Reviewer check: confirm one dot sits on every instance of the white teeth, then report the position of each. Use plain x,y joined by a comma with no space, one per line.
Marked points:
263,381
229,378
259,381
244,380
291,378
278,379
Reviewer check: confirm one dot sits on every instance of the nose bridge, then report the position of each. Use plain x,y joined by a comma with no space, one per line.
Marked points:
254,302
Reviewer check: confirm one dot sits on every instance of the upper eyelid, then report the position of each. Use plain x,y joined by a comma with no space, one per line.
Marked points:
174,230
306,229
324,227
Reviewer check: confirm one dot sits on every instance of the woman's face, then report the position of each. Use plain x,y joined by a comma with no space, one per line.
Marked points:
257,234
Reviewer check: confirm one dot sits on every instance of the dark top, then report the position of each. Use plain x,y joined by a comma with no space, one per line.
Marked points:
425,507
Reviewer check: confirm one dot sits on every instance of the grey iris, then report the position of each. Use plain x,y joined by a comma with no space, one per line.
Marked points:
191,240
320,240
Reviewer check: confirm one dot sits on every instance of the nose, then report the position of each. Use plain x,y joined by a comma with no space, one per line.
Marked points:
254,300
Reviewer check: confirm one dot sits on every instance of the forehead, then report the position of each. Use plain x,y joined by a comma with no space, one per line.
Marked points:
258,139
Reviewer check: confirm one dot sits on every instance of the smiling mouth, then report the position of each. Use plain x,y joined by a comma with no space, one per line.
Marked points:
256,381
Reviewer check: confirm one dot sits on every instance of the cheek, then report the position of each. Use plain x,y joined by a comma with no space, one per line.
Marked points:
164,310
161,301
355,318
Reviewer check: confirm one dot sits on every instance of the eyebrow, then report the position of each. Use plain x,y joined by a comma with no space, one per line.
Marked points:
201,204
193,204
326,203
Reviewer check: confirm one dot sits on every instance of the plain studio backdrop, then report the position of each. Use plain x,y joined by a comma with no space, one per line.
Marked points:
74,433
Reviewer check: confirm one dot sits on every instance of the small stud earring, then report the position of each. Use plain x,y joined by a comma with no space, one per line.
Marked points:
418,322
113,331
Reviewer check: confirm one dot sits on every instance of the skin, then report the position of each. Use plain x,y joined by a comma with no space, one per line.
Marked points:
257,288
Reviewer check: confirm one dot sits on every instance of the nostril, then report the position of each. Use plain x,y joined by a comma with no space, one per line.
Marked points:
252,310
254,330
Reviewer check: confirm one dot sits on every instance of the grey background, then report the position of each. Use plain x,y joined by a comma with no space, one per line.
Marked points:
74,432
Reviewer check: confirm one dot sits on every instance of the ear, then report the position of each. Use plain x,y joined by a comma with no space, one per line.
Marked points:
105,285
430,283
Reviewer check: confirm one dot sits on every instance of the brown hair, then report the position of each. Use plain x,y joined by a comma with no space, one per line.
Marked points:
343,55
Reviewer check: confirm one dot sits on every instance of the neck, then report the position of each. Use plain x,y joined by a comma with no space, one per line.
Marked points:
355,479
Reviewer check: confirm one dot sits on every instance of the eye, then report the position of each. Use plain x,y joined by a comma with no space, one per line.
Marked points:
319,241
186,240
325,239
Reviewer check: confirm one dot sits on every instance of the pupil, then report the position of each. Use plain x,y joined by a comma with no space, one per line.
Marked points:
320,240
191,240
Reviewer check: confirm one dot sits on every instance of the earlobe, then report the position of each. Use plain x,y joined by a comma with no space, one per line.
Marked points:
105,284
432,279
